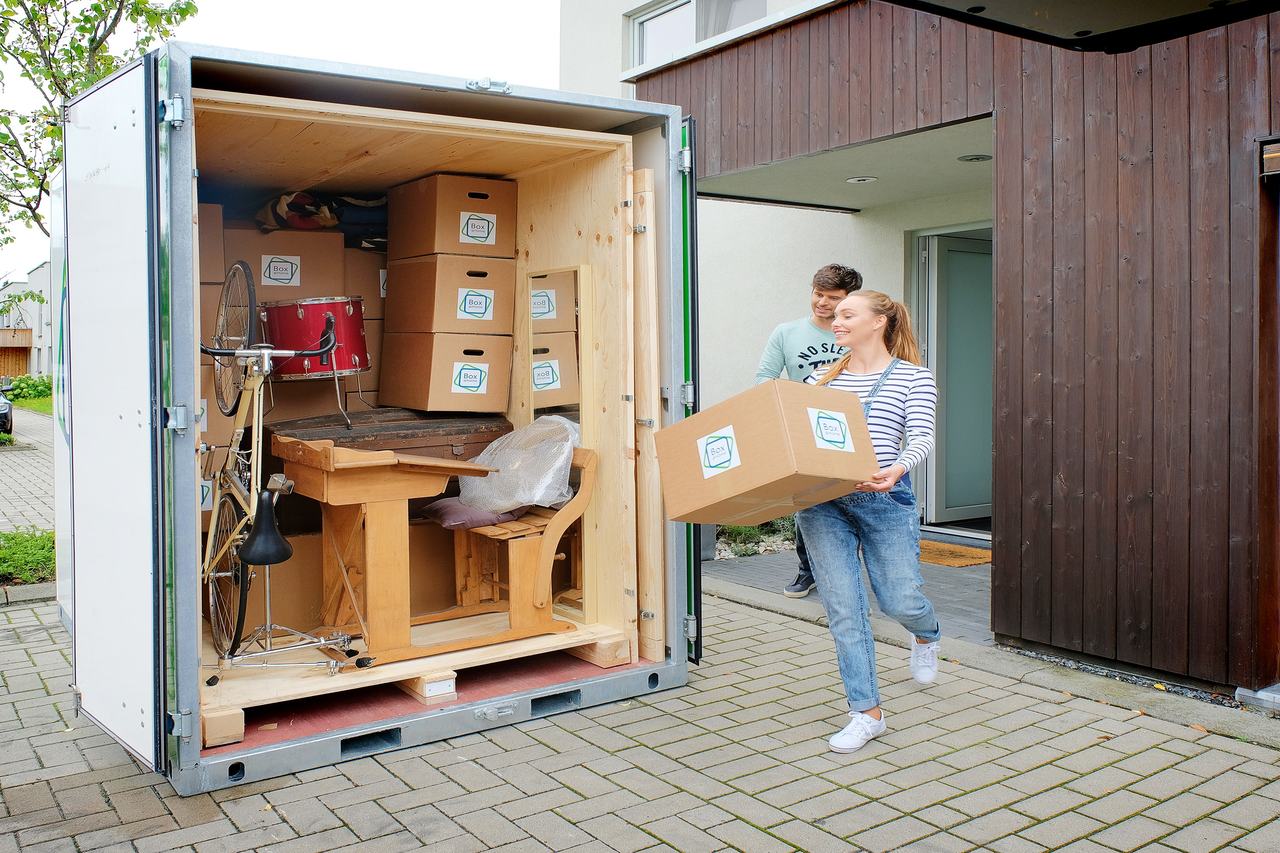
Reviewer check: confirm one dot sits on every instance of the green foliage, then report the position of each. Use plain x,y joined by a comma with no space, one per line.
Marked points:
43,405
741,535
59,48
743,549
30,387
26,556
10,302
5,439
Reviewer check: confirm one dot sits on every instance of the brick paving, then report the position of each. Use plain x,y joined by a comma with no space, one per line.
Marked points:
736,760
26,475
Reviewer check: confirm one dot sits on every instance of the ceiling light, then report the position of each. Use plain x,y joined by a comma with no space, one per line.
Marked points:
861,179
974,158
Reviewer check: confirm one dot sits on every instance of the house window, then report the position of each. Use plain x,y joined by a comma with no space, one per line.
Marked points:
720,16
664,32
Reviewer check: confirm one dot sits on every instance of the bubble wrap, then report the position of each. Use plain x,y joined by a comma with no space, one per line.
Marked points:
533,468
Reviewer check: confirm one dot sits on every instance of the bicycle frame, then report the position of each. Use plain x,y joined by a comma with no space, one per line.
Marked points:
227,480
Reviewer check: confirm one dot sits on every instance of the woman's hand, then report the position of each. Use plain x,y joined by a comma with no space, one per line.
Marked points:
884,479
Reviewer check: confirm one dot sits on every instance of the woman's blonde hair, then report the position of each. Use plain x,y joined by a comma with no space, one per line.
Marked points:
899,339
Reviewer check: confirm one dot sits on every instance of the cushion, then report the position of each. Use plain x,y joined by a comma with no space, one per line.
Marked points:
453,514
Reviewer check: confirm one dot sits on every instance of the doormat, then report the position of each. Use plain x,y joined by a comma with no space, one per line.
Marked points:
955,556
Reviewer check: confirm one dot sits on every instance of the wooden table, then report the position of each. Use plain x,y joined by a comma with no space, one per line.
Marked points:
368,491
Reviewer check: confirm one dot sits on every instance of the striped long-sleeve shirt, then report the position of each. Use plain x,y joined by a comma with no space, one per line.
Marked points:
902,412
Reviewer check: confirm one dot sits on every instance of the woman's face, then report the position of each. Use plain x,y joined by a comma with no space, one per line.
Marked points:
855,323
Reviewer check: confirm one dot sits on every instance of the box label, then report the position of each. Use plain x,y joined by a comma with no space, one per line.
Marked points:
718,452
830,430
382,283
481,228
543,305
282,270
206,495
475,304
469,378
546,375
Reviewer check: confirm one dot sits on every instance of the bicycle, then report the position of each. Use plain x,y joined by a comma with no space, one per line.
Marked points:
243,533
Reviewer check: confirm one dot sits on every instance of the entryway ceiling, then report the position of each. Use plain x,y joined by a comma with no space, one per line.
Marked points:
911,166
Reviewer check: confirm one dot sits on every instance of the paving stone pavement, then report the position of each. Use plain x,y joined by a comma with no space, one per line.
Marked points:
26,476
736,760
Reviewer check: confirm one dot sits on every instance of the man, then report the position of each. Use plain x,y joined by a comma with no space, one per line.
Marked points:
800,347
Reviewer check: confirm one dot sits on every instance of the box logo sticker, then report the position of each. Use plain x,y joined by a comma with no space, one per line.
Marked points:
475,304
718,452
382,283
470,378
543,305
206,495
479,228
282,270
546,375
830,430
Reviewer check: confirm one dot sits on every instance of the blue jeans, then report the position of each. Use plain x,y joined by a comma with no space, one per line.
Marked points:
884,527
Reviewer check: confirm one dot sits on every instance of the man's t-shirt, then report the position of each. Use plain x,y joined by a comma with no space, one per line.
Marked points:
798,348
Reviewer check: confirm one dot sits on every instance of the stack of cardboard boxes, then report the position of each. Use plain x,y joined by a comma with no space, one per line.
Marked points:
553,308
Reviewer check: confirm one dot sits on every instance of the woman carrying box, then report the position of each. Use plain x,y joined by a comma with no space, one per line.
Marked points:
879,520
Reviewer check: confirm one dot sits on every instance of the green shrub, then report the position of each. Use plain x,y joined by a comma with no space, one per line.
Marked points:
26,556
744,549
30,387
785,527
5,439
741,535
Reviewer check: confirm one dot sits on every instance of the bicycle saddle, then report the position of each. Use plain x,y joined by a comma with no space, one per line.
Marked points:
264,546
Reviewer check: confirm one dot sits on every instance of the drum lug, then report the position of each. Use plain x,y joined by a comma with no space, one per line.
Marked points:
350,309
300,312
306,365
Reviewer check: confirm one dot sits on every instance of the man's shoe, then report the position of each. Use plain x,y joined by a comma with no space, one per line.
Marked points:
799,587
924,661
862,728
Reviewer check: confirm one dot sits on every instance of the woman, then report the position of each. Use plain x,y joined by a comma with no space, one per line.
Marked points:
879,519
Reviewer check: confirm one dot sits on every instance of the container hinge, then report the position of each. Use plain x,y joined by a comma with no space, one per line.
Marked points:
648,614
686,160
640,229
485,84
690,628
177,418
645,422
182,724
173,111
687,396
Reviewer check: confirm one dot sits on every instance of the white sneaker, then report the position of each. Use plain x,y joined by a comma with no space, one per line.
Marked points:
924,661
862,728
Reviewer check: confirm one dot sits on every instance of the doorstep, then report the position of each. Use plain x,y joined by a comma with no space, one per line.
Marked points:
27,593
1247,725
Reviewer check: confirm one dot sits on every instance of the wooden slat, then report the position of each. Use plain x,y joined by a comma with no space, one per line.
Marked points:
979,69
1210,329
1273,66
1171,339
710,138
859,71
838,83
799,46
1268,654
1037,331
904,70
699,108
929,70
881,87
781,93
1134,377
1101,308
1068,351
819,82
684,87
745,146
729,110
762,130
1249,111
1006,522
954,70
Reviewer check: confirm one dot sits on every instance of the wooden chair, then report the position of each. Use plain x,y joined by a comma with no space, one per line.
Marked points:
530,544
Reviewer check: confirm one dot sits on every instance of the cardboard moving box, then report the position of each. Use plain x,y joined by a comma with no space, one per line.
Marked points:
451,293
288,264
365,274
452,214
769,451
209,233
553,302
367,381
555,369
445,373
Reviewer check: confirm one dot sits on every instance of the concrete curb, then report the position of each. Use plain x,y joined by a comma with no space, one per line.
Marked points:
28,593
1246,725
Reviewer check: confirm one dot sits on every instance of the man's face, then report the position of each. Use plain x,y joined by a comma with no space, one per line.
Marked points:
823,302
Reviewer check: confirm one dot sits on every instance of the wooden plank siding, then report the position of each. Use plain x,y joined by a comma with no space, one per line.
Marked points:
1136,416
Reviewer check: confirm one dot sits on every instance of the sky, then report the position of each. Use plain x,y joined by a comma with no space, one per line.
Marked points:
513,40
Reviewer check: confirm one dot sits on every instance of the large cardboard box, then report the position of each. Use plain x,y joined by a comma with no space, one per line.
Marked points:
209,233
365,275
303,398
451,293
452,214
445,373
769,451
368,380
555,369
288,264
553,302
297,588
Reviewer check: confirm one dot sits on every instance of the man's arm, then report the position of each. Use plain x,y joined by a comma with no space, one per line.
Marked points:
772,362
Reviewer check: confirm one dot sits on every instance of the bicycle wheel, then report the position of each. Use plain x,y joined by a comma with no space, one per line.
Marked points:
236,329
228,582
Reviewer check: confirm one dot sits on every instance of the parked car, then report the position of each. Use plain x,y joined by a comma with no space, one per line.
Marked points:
6,406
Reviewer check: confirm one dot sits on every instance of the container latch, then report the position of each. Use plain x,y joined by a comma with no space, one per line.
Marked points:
501,87
182,724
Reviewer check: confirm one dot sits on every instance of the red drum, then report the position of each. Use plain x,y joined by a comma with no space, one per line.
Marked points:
298,324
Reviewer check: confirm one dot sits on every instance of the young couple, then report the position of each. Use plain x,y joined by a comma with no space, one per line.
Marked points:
862,342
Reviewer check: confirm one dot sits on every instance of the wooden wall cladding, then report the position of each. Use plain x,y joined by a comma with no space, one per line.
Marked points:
1136,433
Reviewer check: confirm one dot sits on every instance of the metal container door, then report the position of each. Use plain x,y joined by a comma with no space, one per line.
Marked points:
111,186
689,208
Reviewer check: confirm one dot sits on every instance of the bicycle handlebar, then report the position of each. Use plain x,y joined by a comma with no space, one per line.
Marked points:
328,341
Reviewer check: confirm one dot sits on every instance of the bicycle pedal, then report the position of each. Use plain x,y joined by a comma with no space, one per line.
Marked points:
352,653
211,680
362,663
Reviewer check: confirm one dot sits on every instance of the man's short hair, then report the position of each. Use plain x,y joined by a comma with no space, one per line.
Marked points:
837,277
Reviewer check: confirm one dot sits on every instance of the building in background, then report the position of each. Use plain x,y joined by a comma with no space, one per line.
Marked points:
33,316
